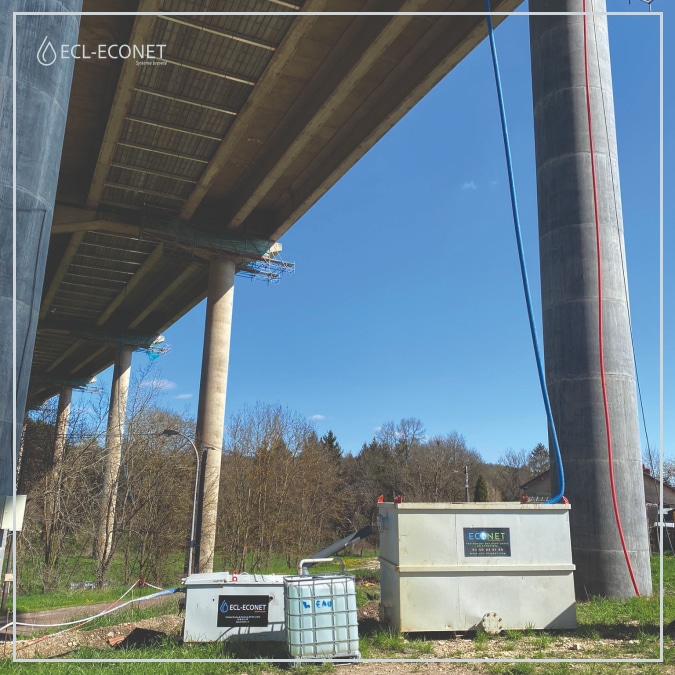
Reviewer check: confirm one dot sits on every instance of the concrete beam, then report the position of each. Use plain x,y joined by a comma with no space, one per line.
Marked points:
61,272
183,277
72,219
194,237
65,381
88,359
69,352
298,30
140,34
337,80
135,340
141,274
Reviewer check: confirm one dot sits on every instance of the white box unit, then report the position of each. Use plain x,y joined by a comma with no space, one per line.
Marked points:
453,566
321,618
221,605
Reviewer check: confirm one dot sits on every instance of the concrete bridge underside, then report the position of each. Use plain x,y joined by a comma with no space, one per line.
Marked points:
218,152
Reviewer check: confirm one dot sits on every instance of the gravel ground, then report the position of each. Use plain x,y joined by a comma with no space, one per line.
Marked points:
445,646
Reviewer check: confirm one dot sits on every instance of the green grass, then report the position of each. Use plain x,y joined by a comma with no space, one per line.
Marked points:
75,567
385,644
59,598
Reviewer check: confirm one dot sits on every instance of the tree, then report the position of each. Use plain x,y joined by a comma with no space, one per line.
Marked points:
61,491
514,471
400,441
539,460
331,447
480,493
281,490
436,471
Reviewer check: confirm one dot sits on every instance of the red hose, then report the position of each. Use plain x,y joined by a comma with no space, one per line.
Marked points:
601,343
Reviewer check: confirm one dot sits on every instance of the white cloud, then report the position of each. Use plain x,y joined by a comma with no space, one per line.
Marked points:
159,383
182,397
317,418
469,185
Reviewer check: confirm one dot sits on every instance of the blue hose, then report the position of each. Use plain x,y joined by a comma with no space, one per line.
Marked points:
523,269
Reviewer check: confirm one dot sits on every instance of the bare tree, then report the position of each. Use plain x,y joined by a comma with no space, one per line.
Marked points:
280,488
515,471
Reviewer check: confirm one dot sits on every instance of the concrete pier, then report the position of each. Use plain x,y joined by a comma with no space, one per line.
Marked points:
113,447
212,395
42,102
62,419
569,280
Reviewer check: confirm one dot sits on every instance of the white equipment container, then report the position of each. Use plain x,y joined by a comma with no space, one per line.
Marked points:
221,605
321,620
459,567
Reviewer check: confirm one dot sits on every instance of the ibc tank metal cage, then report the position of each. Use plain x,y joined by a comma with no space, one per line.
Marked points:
320,617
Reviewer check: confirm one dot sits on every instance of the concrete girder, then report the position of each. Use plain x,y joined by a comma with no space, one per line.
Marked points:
140,34
66,354
88,359
142,272
127,339
67,258
358,48
65,381
166,293
193,237
248,113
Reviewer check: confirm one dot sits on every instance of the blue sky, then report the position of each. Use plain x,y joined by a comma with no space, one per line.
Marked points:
407,299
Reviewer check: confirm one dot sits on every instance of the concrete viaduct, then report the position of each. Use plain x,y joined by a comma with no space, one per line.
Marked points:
146,184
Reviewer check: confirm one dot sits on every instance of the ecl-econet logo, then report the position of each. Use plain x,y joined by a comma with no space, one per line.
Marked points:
47,53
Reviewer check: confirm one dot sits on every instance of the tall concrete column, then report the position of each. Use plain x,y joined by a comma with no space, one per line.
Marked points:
62,418
113,449
569,280
212,394
52,518
42,102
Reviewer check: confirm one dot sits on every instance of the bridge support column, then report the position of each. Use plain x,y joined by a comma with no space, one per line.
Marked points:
113,448
212,395
62,419
42,102
52,538
569,279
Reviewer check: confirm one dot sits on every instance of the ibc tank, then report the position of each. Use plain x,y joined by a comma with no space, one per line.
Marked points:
320,616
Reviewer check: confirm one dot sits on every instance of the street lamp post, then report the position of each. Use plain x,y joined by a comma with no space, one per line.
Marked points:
466,484
173,432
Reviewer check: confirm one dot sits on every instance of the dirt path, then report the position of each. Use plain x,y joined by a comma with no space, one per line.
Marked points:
65,614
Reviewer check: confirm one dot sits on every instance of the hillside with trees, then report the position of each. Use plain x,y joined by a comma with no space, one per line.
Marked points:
285,492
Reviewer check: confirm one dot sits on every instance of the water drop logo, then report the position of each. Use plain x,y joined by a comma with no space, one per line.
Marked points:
46,55
224,607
